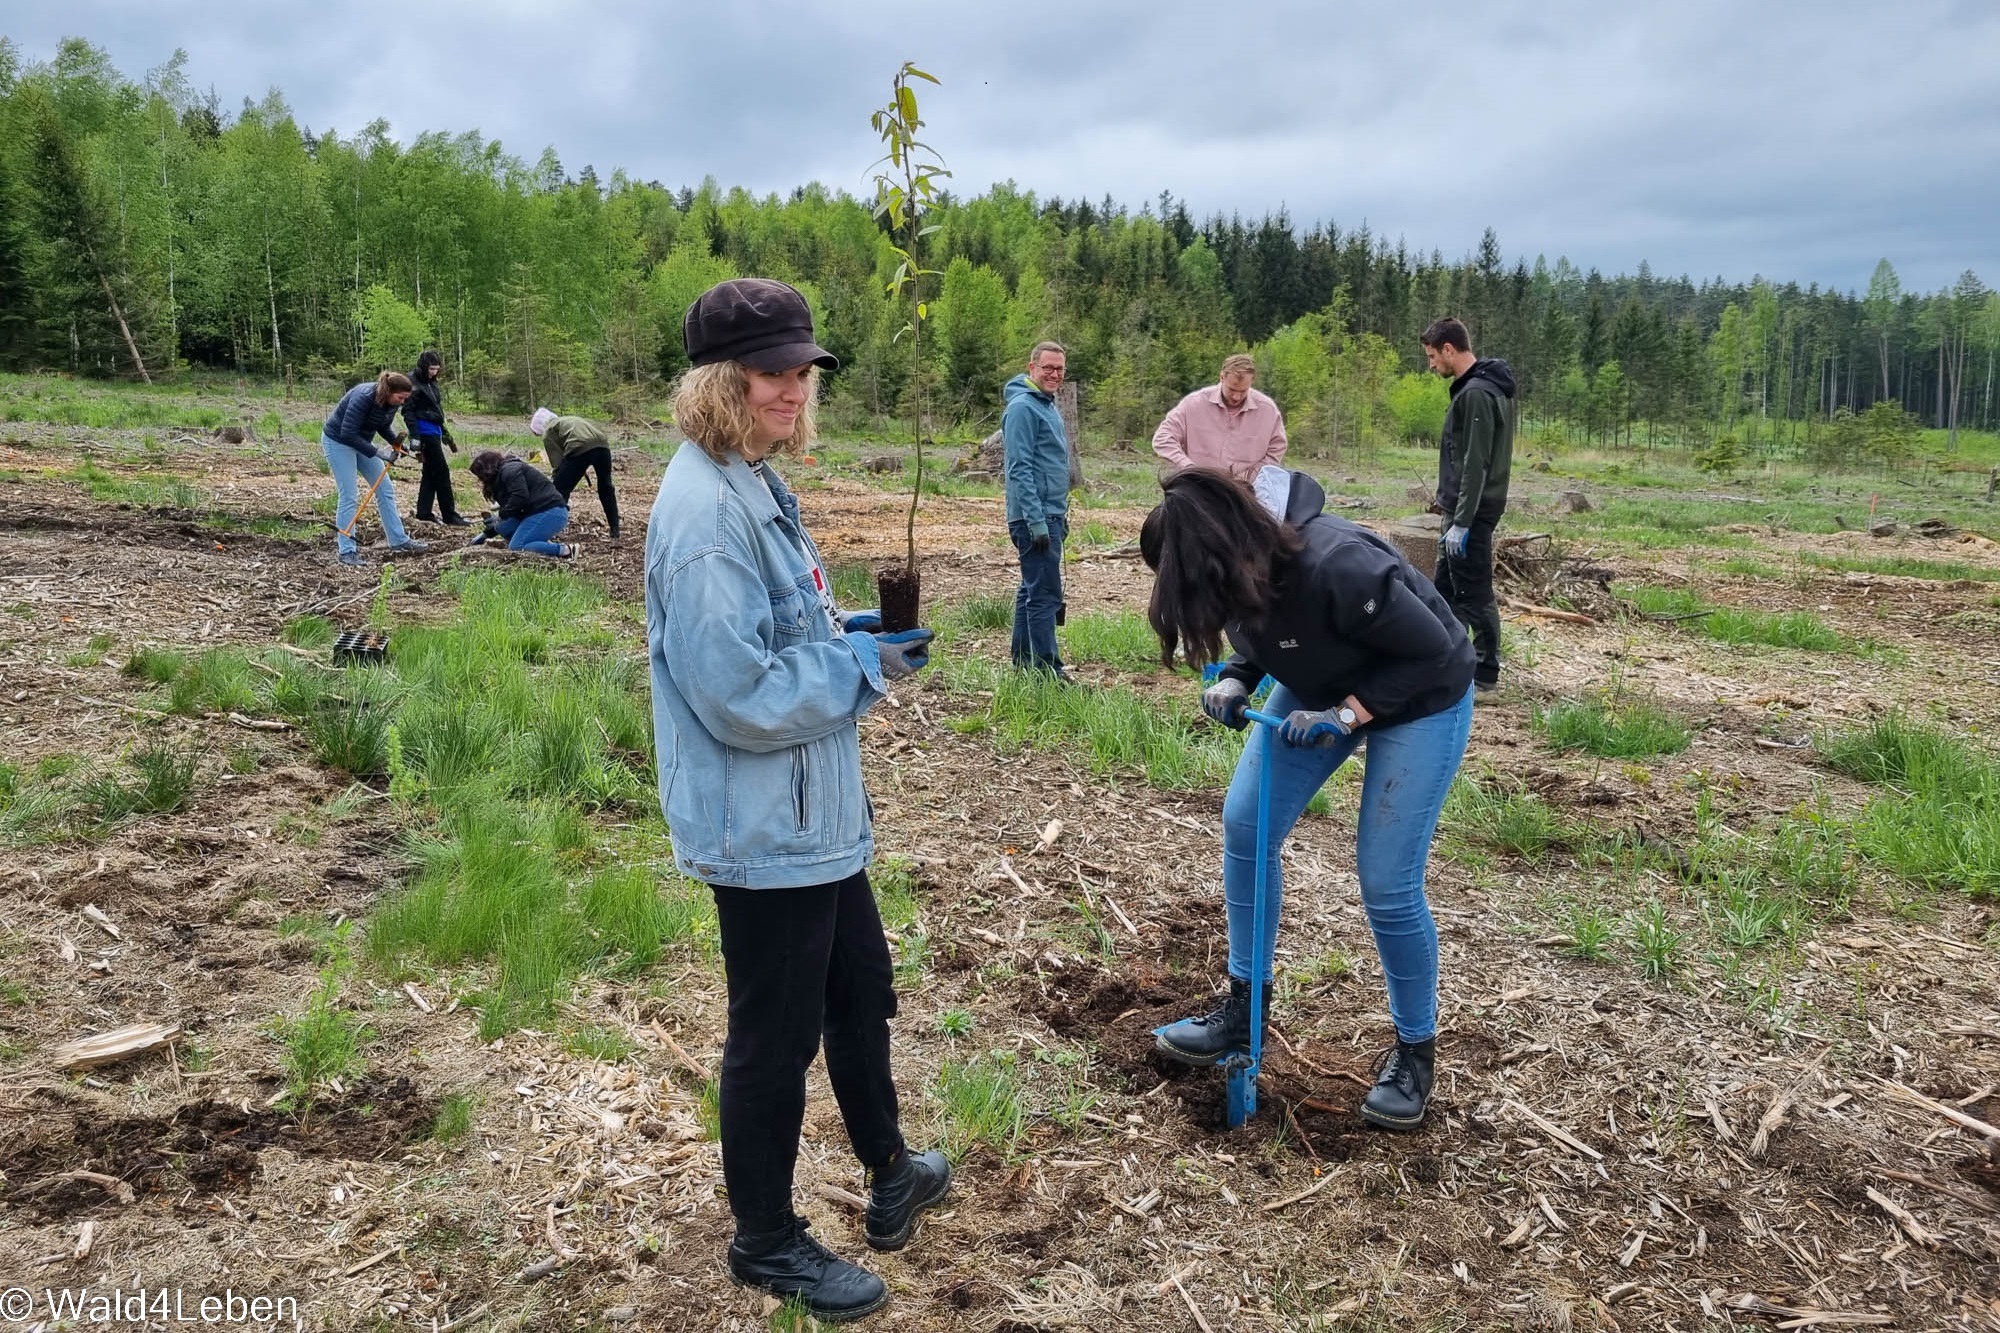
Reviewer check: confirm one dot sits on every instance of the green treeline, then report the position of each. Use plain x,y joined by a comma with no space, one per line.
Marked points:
143,231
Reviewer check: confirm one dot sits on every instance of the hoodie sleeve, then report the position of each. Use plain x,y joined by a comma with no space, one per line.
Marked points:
1017,438
1274,452
1371,605
1239,667
1477,426
1170,440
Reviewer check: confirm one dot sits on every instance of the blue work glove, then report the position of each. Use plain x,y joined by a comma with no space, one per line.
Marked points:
1308,727
1454,539
904,653
1226,701
865,622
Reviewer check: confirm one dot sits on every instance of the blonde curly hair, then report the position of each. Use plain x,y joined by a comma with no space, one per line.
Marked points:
710,408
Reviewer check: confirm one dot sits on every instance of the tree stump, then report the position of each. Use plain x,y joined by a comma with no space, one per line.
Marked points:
1416,538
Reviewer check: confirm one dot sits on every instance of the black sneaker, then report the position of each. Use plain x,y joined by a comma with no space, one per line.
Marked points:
915,1181
1207,1038
1402,1090
456,521
409,546
790,1264
350,558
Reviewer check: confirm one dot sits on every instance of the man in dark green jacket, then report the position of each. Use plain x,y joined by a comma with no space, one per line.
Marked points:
1475,456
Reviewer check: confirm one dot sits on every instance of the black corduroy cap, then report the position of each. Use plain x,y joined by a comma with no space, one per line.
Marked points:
761,322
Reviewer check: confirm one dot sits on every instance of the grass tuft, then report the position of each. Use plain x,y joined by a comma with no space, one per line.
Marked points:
1612,730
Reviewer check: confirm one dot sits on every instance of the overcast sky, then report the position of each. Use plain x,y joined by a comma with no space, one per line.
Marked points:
1800,141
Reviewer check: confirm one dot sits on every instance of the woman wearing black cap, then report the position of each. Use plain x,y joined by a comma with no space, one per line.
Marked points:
758,683
423,414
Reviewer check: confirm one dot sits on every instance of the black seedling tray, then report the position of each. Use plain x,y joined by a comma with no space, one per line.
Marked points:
360,645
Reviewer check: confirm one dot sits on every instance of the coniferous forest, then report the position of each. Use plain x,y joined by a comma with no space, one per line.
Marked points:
145,229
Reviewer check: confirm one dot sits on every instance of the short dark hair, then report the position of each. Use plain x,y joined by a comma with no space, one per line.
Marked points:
1216,554
1446,332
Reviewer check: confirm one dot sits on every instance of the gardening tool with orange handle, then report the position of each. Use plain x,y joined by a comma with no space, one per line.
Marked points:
369,498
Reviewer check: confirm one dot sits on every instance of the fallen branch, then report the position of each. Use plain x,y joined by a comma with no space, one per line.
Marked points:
688,1062
1193,1309
1547,612
1291,1199
1558,1133
1803,1316
108,1047
1951,1113
1918,1232
846,1198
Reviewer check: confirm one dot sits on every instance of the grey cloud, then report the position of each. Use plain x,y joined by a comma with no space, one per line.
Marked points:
1800,141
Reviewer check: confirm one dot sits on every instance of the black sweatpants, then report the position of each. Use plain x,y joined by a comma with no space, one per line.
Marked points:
435,486
570,471
1467,584
802,964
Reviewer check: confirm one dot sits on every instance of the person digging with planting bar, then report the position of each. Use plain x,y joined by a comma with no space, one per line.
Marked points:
757,692
574,446
423,417
1363,651
529,511
363,414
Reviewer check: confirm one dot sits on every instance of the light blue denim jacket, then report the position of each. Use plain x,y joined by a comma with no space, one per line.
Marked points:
756,695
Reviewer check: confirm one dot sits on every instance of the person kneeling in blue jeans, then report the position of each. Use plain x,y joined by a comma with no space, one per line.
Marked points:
531,509
1363,651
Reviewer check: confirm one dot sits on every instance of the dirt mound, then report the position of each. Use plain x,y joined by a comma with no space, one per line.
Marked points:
212,1146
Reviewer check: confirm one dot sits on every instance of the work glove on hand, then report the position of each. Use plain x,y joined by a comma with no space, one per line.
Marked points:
1454,539
865,622
1226,701
1317,729
1039,542
385,453
904,653
449,443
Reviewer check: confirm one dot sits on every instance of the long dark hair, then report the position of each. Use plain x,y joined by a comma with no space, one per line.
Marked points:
485,468
1216,556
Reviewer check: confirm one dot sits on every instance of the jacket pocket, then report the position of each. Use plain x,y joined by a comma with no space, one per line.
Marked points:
802,786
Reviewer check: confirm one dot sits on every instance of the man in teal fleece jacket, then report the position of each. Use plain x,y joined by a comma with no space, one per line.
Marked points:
1037,466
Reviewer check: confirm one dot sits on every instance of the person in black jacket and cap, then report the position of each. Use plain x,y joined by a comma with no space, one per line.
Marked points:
1475,457
423,414
530,510
1363,651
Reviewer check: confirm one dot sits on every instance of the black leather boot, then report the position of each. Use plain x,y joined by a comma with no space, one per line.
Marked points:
789,1263
1403,1089
1207,1038
904,1188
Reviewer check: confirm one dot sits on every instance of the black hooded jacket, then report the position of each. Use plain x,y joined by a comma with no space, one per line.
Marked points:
1476,450
519,489
426,400
1350,616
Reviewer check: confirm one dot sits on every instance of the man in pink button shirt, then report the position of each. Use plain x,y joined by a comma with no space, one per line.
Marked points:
1228,425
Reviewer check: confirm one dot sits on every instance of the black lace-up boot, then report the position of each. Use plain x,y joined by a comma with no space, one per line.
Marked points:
1207,1038
1403,1089
904,1188
789,1263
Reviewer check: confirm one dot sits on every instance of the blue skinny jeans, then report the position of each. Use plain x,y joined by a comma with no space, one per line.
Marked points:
349,470
1410,768
533,533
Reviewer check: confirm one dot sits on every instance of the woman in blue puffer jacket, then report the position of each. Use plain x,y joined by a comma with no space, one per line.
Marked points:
364,413
758,683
